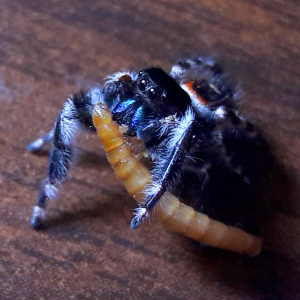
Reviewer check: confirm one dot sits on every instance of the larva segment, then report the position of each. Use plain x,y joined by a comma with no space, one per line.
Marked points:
175,214
184,219
133,174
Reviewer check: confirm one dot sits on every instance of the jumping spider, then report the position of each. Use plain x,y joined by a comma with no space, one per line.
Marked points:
200,148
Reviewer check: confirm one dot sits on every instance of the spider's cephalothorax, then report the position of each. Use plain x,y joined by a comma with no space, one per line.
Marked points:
200,147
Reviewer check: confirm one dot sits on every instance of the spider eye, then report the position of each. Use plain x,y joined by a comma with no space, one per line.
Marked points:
141,73
142,84
164,97
152,93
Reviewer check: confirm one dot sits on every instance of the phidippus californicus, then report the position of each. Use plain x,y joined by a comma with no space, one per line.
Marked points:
201,149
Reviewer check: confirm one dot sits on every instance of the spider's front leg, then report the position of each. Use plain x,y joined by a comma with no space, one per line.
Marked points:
77,110
166,173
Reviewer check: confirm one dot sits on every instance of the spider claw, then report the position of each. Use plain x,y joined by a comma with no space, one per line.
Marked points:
38,215
35,145
140,215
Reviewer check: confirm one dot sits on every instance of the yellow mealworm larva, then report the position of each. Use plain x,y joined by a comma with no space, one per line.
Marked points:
173,213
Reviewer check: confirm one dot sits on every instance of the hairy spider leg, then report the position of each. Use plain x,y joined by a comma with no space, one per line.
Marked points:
76,111
168,171
38,144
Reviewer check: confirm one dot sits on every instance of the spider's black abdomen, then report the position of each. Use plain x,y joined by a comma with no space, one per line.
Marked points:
216,92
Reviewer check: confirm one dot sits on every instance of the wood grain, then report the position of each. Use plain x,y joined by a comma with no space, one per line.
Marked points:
49,49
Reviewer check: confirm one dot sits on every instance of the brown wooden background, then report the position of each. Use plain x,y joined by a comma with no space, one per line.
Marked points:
49,49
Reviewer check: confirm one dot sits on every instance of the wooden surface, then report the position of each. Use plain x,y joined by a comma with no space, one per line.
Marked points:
49,49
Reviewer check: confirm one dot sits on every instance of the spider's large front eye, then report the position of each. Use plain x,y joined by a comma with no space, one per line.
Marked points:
142,84
152,93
